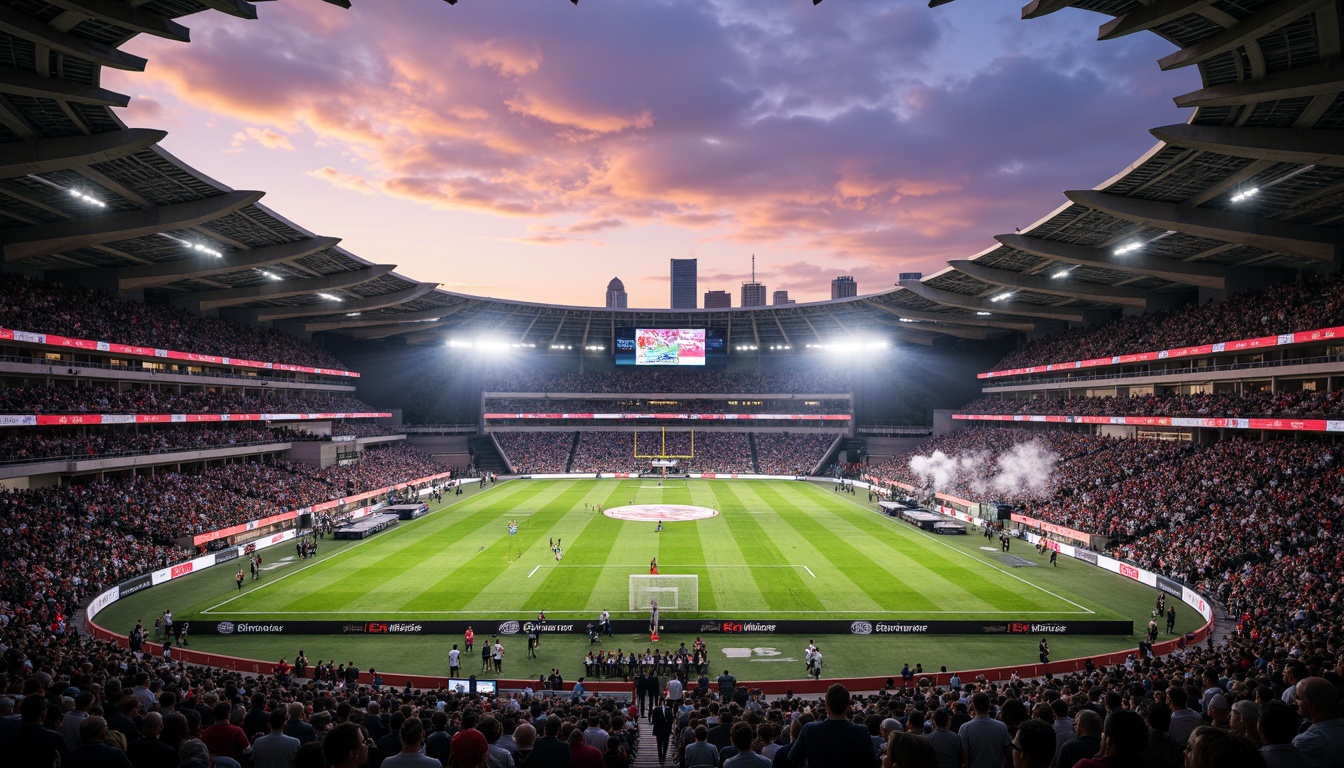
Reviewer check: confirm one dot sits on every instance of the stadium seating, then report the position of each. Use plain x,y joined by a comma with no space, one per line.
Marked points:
1306,404
99,398
1307,304
22,445
670,381
72,310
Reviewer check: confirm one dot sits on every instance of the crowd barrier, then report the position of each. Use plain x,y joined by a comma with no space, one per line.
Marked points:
89,345
1240,345
91,419
1280,425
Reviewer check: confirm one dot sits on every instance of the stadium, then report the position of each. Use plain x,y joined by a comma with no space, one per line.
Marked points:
1091,468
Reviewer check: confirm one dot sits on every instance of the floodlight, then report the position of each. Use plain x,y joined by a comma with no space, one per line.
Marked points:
330,297
1245,194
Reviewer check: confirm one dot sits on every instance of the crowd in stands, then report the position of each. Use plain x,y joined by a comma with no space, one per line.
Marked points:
1174,507
790,453
97,398
24,444
615,451
342,428
672,382
62,542
536,451
72,310
662,405
1301,404
1256,523
1303,305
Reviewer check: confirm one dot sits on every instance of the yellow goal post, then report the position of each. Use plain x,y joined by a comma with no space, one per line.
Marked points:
662,447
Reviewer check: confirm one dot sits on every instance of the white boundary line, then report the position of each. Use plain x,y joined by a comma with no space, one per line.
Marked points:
534,570
934,538
211,610
809,572
572,614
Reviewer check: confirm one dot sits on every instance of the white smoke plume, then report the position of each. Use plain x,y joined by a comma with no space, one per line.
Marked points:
1025,470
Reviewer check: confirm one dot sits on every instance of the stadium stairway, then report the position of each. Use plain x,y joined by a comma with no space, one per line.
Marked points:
573,448
647,756
486,456
751,440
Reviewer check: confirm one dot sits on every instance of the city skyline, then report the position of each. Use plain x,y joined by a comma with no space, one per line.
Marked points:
579,135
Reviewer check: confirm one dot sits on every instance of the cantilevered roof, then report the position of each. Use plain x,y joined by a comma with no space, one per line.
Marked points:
1268,117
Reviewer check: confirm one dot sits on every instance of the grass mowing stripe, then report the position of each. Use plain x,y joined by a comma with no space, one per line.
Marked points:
932,569
785,589
457,570
883,583
933,538
555,590
731,592
783,582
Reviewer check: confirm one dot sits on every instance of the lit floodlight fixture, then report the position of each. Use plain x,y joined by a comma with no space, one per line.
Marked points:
983,314
330,297
1003,296
353,314
271,275
1129,247
907,320
91,200
1245,194
1063,273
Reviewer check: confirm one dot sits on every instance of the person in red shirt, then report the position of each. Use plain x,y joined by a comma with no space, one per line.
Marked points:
223,738
581,755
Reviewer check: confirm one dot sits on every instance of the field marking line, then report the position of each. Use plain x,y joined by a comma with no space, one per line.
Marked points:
692,567
534,570
571,614
328,558
933,538
809,572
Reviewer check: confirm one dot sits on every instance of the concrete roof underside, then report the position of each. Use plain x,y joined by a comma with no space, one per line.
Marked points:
1269,116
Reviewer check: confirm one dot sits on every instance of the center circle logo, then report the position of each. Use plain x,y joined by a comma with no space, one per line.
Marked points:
670,513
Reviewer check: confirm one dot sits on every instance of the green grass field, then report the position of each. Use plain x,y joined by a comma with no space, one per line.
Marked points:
778,549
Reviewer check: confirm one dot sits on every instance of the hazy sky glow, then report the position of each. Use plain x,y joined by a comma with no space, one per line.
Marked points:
532,149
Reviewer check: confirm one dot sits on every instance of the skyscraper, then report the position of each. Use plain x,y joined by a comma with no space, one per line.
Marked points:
684,284
753,293
718,300
843,287
781,298
616,298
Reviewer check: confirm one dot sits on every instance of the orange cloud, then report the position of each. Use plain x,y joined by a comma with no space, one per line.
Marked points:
345,181
264,136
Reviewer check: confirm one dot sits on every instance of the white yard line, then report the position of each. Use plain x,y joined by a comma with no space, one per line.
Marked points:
934,538
534,570
809,572
571,614
328,558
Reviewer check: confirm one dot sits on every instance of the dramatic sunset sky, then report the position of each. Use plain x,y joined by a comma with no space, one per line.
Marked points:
532,149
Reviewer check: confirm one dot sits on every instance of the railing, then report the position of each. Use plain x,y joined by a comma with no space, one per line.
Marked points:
77,365
1025,381
894,430
438,429
76,456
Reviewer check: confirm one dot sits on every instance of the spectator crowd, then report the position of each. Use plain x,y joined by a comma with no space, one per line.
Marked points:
1303,305
98,398
85,313
671,382
1299,404
19,445
60,544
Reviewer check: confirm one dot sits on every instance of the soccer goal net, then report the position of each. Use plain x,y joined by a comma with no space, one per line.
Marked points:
674,592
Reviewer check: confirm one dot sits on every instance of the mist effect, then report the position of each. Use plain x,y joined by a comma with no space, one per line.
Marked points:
1025,470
